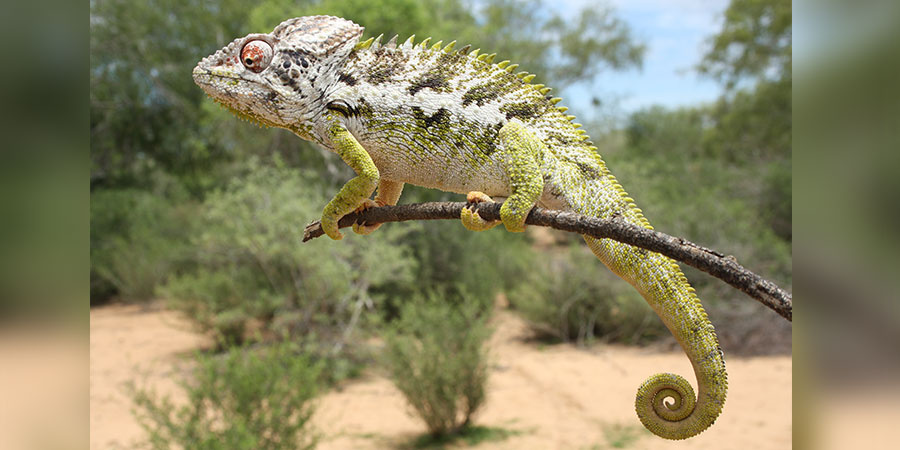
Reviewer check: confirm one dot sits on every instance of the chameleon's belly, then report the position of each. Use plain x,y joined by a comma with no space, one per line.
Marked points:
453,169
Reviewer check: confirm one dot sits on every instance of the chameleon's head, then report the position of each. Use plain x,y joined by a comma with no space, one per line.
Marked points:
278,79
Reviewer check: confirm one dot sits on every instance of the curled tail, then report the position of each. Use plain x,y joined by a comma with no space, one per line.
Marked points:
665,402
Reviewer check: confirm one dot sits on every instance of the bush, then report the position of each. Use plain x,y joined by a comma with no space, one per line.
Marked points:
571,296
222,301
244,399
254,273
436,357
136,236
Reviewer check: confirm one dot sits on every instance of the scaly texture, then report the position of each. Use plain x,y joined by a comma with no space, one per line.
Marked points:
452,119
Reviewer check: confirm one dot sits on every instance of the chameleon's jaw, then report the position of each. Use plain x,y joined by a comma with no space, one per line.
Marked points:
227,89
215,85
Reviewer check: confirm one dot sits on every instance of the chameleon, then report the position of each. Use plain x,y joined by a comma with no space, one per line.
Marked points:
453,119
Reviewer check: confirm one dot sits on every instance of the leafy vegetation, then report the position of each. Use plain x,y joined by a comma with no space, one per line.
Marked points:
569,298
435,354
245,399
136,242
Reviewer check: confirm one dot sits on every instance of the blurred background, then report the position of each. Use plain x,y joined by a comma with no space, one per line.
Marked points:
196,220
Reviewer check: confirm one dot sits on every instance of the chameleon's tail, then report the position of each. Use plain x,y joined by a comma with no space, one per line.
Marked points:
666,289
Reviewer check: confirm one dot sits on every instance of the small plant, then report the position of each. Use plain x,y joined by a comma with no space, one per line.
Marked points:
436,357
244,399
573,298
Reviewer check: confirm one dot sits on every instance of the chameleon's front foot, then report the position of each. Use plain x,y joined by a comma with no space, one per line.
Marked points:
329,221
470,218
355,193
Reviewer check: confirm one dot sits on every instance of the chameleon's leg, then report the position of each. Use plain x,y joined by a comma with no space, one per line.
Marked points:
522,152
358,189
388,193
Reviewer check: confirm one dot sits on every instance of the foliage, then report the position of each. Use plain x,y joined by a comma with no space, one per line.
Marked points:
753,128
754,42
667,155
146,113
252,267
436,357
559,51
570,296
245,399
134,243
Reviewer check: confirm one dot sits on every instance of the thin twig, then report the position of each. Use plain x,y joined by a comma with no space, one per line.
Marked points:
725,268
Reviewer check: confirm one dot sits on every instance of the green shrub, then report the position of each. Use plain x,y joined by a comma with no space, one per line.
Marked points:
571,296
136,236
253,273
244,399
221,301
436,357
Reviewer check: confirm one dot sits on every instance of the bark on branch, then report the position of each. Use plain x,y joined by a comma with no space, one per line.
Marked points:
726,268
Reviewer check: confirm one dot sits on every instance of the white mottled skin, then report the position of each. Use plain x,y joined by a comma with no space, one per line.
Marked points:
450,119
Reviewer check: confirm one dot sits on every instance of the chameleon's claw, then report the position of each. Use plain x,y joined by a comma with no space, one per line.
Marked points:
359,228
478,197
470,218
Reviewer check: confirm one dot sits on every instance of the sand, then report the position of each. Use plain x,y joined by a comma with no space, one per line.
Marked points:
550,397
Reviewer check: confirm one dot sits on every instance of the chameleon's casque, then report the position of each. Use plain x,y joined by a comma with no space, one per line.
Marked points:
452,119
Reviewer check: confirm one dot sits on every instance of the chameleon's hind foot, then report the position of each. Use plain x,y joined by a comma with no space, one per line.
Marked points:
359,228
470,218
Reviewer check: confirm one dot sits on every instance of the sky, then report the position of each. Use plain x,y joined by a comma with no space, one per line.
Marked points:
674,32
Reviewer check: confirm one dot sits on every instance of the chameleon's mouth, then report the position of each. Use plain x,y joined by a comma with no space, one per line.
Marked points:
227,99
205,77
215,83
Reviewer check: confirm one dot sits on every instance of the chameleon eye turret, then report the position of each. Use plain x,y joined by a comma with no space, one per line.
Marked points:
256,55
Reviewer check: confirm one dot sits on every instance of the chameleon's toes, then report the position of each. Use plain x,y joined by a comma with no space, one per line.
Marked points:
478,197
470,218
359,228
366,204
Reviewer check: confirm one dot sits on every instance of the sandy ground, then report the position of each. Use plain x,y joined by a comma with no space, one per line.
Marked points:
551,397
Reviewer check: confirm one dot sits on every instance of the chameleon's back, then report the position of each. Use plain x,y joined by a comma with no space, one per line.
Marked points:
438,110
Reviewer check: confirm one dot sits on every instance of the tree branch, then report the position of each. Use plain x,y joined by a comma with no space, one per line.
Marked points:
726,268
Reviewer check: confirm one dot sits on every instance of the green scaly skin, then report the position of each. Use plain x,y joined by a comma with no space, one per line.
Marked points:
453,120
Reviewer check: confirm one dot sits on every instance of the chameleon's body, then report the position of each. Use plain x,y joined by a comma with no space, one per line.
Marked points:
452,120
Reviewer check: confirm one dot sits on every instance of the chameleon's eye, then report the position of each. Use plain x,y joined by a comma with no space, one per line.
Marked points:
256,55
